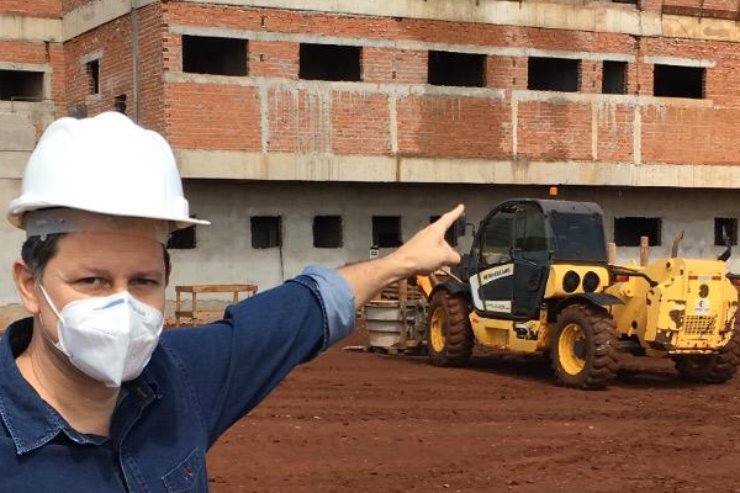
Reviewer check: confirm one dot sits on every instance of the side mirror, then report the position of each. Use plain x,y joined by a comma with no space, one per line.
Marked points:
458,228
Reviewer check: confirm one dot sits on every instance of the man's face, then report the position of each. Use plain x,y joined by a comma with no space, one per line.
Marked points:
101,264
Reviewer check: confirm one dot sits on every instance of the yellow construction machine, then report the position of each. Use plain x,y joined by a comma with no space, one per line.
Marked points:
538,279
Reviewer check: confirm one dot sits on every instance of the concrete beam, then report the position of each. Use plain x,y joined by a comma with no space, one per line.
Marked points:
236,165
95,14
402,90
679,26
20,28
682,62
596,16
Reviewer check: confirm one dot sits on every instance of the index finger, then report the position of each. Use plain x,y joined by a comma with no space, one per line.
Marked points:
448,218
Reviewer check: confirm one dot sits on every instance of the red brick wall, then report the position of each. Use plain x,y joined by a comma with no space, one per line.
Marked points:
23,52
316,117
152,107
310,121
116,66
275,59
591,77
115,39
381,28
554,131
291,128
615,126
504,72
689,135
212,116
58,76
454,127
33,8
360,124
394,66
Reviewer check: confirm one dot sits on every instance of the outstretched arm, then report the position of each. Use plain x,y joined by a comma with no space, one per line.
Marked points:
425,252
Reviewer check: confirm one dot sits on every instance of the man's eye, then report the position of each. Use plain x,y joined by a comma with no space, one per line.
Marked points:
145,282
92,281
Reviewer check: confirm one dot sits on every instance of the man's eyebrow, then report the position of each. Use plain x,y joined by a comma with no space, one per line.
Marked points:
149,273
83,271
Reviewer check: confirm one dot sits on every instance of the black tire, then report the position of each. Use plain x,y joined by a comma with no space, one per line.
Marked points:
714,368
457,344
592,361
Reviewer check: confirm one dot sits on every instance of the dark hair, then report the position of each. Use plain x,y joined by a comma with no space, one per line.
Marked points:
37,252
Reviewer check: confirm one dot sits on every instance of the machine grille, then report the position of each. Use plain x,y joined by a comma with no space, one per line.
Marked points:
699,325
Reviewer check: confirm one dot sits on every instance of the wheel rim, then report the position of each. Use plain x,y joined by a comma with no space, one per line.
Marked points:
571,348
436,328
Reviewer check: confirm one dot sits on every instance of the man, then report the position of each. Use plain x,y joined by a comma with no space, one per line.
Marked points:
92,399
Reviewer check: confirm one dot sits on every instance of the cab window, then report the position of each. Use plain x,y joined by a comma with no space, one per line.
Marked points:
497,238
530,230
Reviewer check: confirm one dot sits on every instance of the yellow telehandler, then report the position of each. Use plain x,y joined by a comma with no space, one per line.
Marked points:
537,279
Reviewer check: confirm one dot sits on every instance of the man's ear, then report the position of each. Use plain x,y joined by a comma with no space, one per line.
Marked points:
25,282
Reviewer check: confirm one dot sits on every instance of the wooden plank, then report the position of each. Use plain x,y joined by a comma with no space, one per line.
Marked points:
644,250
200,314
216,288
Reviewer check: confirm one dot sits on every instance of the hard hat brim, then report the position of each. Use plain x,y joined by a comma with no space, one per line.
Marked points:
16,213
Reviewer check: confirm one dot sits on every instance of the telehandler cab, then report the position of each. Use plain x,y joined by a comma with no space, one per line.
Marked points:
537,279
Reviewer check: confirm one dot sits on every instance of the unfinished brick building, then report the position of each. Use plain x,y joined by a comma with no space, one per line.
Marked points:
308,130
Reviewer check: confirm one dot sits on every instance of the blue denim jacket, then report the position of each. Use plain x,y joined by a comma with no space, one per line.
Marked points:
197,384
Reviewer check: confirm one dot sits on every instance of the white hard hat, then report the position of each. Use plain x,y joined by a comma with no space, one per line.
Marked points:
107,165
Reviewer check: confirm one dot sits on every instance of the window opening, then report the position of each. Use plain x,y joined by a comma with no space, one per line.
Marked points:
21,85
387,231
266,231
672,81
553,74
327,231
214,56
456,69
93,76
330,62
182,239
628,230
614,78
722,226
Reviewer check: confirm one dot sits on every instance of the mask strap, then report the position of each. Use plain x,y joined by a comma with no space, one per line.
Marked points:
57,345
49,302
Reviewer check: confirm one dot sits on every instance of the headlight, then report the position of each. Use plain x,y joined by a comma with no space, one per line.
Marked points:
591,282
571,281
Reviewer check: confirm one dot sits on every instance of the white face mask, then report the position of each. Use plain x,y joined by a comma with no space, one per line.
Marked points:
111,338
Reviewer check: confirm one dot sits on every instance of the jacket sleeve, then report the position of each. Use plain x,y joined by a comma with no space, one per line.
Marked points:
233,364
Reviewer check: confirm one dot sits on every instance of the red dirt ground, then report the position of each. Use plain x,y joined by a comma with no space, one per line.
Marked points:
364,422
